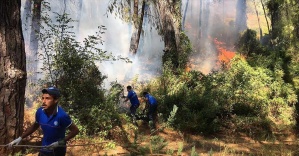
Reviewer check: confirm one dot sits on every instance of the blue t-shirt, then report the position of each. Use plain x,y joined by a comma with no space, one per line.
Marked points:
151,100
54,126
133,98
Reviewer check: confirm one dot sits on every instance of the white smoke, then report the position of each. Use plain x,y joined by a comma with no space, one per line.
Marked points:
204,21
145,64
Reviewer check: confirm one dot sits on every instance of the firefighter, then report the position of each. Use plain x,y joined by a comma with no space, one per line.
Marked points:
151,106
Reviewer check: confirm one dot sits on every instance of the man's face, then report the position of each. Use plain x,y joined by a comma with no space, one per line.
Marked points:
48,101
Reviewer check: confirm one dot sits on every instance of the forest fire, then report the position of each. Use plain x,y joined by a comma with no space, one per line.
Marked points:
224,55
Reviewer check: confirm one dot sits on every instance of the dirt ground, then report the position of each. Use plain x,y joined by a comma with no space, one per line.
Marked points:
138,140
176,143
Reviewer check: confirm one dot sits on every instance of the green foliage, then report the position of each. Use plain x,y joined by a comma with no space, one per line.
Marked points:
206,102
257,128
82,128
185,50
185,90
170,152
157,143
260,89
256,95
180,148
193,152
70,65
249,45
171,117
284,15
178,59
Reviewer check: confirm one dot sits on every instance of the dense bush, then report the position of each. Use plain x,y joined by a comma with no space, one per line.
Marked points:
252,93
70,65
206,102
178,59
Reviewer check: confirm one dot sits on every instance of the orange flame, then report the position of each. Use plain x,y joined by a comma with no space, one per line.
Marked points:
224,55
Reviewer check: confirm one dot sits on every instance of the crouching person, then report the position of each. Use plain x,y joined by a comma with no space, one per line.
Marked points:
151,105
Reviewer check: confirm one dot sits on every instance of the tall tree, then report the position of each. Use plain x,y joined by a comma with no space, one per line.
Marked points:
169,21
166,17
285,39
137,27
26,13
35,29
241,18
12,71
265,15
258,19
275,16
184,15
32,52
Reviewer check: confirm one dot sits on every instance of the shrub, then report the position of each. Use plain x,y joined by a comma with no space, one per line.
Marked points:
70,65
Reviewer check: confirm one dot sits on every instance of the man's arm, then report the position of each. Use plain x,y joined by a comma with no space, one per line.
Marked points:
126,99
30,130
73,132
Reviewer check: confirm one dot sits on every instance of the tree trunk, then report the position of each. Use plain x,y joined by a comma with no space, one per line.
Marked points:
137,31
274,11
258,19
241,18
265,16
12,72
184,15
170,29
26,14
135,15
33,50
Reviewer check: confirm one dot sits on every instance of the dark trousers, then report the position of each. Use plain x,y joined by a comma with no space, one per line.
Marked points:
59,151
152,112
133,109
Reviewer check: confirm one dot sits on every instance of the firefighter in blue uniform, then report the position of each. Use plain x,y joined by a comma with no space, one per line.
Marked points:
54,122
151,105
132,96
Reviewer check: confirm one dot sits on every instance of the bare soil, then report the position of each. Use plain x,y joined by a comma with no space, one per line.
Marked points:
128,139
137,142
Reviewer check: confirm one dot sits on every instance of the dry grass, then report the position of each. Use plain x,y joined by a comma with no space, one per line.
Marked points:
178,143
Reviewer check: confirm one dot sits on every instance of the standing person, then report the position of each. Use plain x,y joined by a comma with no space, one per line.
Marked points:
132,96
151,105
54,122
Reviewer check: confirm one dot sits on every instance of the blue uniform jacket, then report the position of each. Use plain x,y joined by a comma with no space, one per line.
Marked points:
133,98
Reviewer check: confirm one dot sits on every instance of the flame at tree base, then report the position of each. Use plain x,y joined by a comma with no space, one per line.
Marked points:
222,59
224,55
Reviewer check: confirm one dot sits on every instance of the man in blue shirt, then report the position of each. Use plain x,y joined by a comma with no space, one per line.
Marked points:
54,122
132,96
151,105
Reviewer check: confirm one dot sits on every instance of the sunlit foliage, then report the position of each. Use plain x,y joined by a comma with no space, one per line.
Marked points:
70,65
